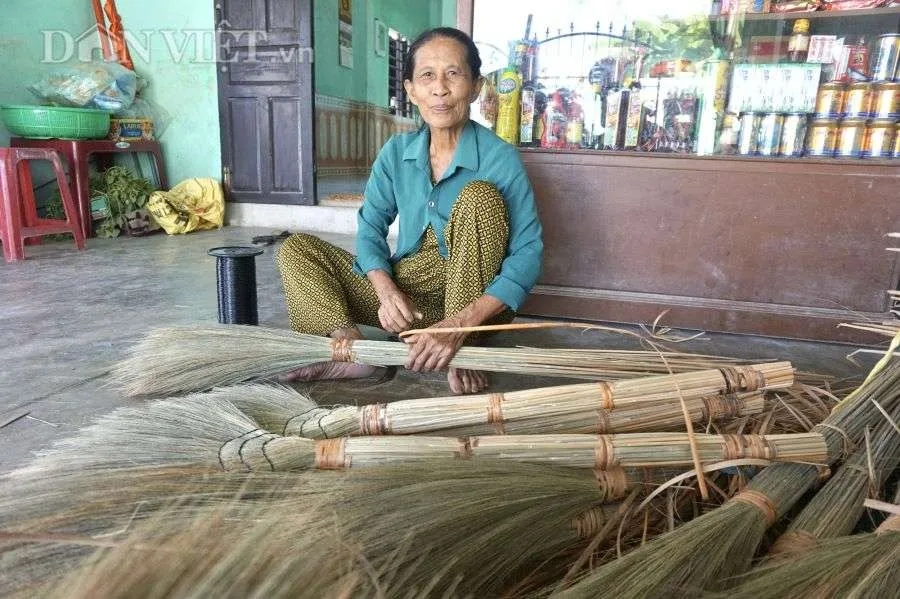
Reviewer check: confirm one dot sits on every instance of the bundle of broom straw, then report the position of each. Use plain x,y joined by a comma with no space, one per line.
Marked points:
589,408
207,429
485,525
837,507
218,537
171,361
861,565
705,552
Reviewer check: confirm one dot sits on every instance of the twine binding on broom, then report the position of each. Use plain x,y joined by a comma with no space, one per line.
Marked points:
604,453
331,454
495,412
373,420
761,502
342,350
606,395
754,447
892,524
588,523
231,452
794,542
613,483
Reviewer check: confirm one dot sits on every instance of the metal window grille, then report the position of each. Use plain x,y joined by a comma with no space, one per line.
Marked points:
397,50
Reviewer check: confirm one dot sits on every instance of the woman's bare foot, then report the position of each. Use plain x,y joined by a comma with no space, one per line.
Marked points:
463,380
330,370
333,370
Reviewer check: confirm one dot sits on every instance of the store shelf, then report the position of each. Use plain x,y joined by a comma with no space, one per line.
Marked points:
822,14
840,162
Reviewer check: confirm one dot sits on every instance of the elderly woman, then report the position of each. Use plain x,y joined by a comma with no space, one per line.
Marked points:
469,249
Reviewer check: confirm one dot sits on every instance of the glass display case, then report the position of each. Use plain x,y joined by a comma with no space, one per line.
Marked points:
777,79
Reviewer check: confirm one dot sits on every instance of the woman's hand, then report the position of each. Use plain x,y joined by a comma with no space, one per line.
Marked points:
396,312
433,351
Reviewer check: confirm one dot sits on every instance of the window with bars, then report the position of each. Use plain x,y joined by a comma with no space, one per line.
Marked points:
398,46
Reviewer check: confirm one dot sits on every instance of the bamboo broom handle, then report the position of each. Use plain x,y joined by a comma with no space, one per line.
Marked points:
260,450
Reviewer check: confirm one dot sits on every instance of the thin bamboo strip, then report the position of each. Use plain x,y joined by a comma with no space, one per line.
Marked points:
175,360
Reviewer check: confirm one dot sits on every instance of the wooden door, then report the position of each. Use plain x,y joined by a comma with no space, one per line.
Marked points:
266,100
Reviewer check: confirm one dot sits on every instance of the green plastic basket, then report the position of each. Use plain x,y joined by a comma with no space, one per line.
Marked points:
50,122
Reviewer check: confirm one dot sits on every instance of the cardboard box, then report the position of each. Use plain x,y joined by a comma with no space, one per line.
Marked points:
127,129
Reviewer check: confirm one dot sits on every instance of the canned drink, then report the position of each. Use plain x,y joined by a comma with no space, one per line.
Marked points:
822,138
887,57
858,102
879,142
886,101
749,135
851,137
897,141
769,134
793,135
729,135
830,100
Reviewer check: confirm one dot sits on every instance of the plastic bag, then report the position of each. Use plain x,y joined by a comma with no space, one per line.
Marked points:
103,85
143,108
192,205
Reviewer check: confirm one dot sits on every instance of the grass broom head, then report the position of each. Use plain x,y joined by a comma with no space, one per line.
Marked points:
721,544
861,565
490,523
836,508
203,542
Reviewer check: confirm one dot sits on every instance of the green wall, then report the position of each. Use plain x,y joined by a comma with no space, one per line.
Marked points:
367,80
22,44
185,89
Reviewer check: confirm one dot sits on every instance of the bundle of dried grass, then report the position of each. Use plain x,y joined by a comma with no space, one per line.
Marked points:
176,360
587,408
208,430
703,553
203,542
837,507
485,525
862,565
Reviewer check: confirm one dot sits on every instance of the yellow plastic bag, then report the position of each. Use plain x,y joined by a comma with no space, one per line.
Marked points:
192,205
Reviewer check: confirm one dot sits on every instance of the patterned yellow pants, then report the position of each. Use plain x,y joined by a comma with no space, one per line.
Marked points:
324,294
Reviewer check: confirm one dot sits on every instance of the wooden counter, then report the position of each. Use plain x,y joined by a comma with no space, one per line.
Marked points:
772,247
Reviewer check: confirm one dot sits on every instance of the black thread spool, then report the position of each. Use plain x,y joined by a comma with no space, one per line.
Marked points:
236,284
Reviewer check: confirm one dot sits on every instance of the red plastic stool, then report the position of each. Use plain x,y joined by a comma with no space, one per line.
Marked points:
18,212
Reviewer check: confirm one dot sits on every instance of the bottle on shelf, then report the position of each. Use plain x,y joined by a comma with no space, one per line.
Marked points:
798,45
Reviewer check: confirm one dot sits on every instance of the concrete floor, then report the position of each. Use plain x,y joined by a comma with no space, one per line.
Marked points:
67,316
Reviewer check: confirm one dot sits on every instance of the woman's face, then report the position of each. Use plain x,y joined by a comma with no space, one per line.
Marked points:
442,86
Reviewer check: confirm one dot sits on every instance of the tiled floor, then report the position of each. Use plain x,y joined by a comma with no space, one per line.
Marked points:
67,316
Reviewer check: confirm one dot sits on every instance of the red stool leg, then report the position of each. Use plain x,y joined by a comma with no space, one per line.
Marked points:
10,211
72,215
81,186
27,204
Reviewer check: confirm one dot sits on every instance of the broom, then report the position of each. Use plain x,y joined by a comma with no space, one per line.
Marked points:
222,537
588,408
721,544
837,507
207,429
490,522
862,565
170,361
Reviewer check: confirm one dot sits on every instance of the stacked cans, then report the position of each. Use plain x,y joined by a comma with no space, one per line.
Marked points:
859,120
771,134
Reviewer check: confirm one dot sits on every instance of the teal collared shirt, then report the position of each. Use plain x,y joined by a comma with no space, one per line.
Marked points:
400,185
